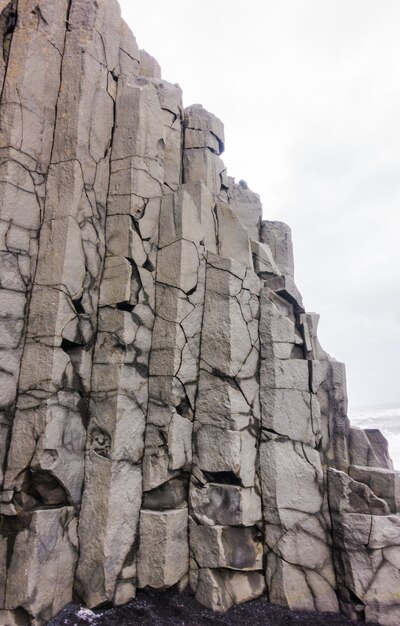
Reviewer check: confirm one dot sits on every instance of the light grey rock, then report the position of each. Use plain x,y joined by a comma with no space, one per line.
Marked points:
14,618
178,265
297,588
226,547
206,167
180,442
263,260
382,605
385,483
233,238
163,557
283,462
285,287
278,237
115,489
246,205
41,571
197,119
205,204
137,172
290,374
156,362
288,412
170,495
221,505
148,66
350,496
226,451
219,590
129,55
221,403
179,219
124,593
369,448
223,348
385,532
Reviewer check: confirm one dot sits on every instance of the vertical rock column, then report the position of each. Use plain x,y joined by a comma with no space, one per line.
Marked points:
164,551
32,35
365,511
299,567
120,391
44,474
186,225
362,490
226,544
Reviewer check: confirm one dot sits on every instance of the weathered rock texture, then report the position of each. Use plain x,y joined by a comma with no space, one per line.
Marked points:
168,416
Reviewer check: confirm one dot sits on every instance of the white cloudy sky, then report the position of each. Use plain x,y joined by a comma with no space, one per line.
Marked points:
309,91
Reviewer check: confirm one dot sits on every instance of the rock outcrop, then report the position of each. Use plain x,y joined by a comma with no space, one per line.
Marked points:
167,414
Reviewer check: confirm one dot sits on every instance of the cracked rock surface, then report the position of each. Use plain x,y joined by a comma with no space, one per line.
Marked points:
168,417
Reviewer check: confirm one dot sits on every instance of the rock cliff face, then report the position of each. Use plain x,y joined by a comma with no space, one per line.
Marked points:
168,416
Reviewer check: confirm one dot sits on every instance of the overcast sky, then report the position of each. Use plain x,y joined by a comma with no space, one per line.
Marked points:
309,91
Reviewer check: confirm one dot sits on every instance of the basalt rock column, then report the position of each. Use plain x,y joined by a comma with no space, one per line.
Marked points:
45,463
299,568
32,44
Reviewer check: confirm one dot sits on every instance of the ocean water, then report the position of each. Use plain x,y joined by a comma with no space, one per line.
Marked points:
387,419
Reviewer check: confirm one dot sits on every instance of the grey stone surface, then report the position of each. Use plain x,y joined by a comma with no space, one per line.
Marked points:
167,414
163,557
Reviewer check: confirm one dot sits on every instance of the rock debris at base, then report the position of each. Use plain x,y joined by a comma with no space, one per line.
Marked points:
167,414
171,608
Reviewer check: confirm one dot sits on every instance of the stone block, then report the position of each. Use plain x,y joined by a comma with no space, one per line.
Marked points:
287,463
148,66
203,166
289,375
278,237
220,402
233,239
350,496
179,219
263,260
385,483
205,204
368,448
285,287
163,557
178,265
115,489
247,207
287,585
226,342
123,240
385,532
125,592
199,119
116,283
226,452
380,447
381,600
218,590
224,505
180,442
170,495
226,547
41,571
288,412
61,261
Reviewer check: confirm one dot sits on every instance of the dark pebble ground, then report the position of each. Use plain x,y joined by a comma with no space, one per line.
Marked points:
171,608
